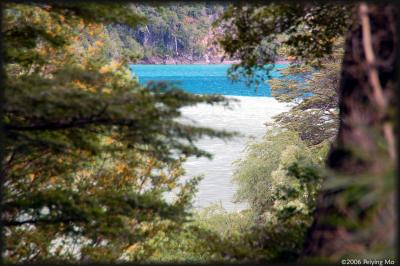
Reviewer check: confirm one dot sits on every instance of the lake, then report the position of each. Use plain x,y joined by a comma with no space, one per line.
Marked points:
253,109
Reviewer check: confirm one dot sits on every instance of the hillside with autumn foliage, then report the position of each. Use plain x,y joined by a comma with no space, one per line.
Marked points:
170,34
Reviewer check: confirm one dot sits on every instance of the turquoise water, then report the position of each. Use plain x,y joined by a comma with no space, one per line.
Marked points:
202,79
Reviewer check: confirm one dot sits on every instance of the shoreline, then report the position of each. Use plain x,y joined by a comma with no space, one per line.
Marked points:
182,62
196,62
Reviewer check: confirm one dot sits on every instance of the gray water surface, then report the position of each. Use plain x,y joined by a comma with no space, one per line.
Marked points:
248,117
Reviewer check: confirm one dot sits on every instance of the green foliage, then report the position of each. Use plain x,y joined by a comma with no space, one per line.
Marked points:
261,233
187,243
352,210
314,90
222,222
25,26
265,166
89,153
279,178
258,34
362,209
212,235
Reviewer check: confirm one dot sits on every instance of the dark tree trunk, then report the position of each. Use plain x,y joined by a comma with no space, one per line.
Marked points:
365,144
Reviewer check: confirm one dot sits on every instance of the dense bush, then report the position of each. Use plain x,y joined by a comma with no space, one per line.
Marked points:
279,179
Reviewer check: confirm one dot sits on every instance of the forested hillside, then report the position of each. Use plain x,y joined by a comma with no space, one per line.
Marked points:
172,34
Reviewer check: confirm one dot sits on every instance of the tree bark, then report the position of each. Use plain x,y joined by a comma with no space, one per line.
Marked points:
365,143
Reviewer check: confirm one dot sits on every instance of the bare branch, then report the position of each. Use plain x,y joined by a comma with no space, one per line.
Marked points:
374,77
370,57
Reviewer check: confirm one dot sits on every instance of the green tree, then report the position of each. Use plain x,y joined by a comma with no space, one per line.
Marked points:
363,156
258,34
88,152
279,179
315,115
363,152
